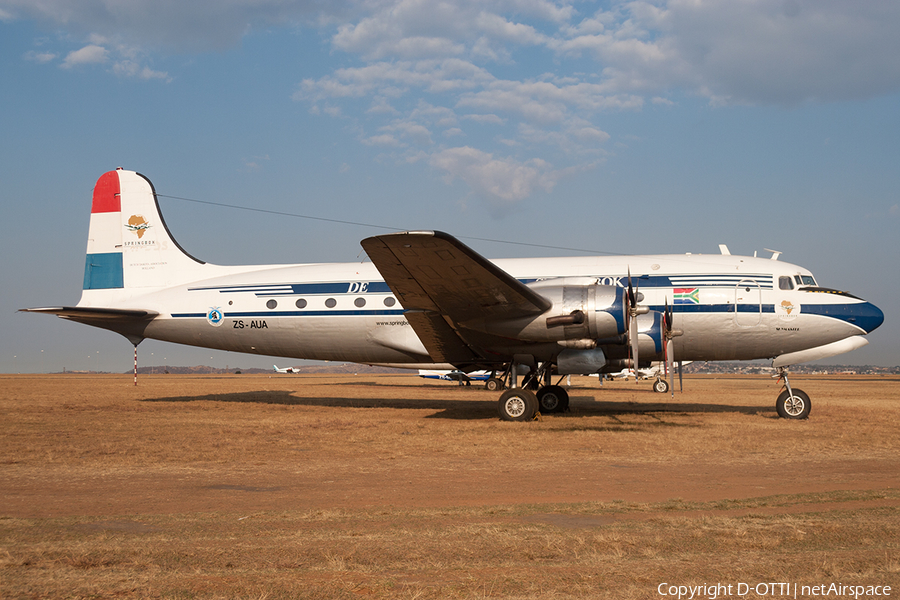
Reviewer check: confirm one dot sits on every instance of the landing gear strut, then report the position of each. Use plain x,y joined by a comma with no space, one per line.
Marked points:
522,404
791,403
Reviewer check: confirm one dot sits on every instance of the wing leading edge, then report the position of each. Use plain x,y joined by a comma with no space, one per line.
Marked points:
441,282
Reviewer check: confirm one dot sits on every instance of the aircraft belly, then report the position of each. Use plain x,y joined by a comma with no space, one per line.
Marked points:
313,338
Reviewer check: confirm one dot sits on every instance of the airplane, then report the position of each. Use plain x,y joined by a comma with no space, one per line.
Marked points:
428,301
455,375
651,372
286,369
656,370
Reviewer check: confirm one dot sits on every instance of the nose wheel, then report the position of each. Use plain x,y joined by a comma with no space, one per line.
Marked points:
791,403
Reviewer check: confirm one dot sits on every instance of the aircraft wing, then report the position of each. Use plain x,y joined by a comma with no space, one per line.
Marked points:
441,282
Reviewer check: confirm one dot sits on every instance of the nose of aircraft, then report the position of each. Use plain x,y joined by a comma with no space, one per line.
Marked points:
866,315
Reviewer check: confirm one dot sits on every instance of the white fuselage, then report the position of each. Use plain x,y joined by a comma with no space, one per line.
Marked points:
729,307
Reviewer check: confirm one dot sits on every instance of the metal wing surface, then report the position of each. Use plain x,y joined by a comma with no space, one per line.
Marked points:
441,282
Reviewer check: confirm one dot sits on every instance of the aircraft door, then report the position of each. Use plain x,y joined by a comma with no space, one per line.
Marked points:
747,303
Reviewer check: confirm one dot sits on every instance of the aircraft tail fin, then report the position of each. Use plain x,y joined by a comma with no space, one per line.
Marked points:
129,245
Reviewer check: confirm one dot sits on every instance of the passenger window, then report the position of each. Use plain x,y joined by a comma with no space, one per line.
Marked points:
784,283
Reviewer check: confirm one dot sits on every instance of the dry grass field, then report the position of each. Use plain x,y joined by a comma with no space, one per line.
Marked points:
384,486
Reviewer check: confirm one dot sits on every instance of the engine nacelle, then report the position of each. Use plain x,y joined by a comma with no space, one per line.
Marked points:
651,337
578,312
580,362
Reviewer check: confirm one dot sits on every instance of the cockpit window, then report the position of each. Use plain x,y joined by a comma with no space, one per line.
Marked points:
808,280
784,283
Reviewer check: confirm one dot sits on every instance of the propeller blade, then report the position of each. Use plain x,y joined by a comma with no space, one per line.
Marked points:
632,324
634,346
670,369
680,381
670,346
632,300
670,317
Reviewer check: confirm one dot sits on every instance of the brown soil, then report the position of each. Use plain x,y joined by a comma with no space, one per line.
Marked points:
98,446
98,449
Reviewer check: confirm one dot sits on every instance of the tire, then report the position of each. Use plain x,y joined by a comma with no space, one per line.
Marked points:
796,406
661,386
517,404
493,384
553,399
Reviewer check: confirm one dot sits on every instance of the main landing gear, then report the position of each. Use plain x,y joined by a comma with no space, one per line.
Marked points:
523,404
791,403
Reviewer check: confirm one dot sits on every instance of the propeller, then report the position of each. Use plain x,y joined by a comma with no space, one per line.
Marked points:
669,332
633,311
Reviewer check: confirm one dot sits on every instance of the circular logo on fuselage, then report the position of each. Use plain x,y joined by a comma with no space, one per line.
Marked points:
215,316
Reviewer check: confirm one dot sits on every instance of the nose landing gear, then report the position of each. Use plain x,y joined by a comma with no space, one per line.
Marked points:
791,403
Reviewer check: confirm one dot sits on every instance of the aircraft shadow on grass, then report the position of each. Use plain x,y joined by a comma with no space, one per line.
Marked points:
580,406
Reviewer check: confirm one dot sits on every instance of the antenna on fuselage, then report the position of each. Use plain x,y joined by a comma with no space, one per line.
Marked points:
775,253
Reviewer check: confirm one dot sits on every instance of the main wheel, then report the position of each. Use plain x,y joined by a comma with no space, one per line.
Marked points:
793,406
661,386
493,384
553,399
517,404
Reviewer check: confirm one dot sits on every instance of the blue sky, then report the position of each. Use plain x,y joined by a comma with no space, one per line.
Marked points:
626,127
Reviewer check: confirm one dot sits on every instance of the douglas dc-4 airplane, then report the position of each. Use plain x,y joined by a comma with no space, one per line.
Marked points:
428,301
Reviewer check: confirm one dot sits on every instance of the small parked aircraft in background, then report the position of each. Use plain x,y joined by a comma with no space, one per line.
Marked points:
458,376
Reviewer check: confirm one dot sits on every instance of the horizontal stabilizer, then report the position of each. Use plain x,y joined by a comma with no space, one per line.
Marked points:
87,313
127,322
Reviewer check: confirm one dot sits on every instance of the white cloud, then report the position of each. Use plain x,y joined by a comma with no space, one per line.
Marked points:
198,25
40,57
502,181
750,51
129,68
415,132
753,51
543,74
385,139
490,119
89,55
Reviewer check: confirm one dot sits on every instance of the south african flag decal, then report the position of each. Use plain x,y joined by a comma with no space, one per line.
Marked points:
687,295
